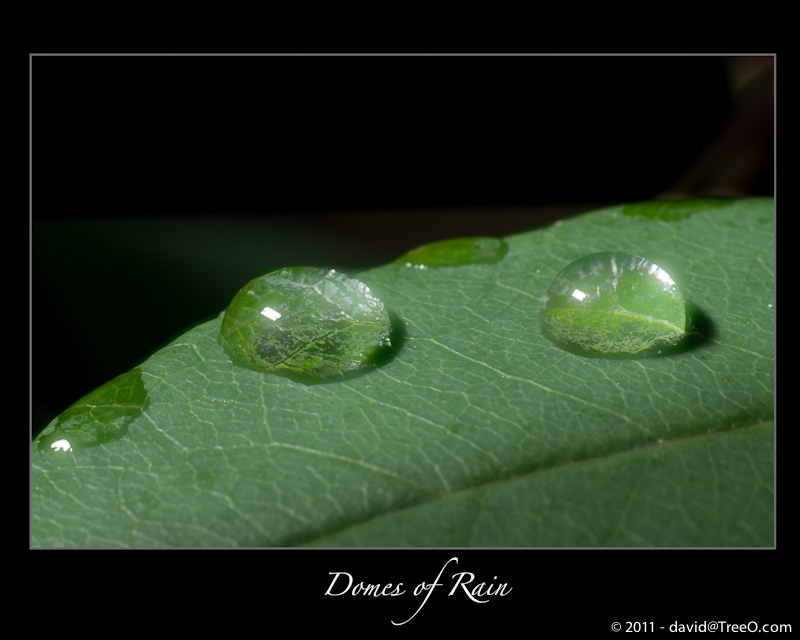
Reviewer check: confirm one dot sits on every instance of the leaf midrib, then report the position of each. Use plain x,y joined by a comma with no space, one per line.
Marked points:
527,474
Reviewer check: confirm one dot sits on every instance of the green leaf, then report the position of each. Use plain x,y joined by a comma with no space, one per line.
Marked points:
479,431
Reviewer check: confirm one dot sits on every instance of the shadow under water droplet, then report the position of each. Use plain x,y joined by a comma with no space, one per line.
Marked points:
700,329
380,358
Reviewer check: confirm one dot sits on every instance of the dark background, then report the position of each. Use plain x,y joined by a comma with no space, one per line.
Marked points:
161,184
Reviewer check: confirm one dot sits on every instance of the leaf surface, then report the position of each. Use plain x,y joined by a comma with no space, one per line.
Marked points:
479,431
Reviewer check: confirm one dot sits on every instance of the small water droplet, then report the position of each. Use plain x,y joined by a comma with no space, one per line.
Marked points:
455,252
305,322
611,303
671,210
99,417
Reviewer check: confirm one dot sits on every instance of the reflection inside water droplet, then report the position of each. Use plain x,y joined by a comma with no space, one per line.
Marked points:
269,312
579,295
612,303
61,445
306,323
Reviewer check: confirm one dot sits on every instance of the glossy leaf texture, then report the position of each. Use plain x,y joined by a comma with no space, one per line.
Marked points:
479,431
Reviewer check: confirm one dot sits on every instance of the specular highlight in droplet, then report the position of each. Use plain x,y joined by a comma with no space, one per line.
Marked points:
99,417
305,322
454,252
614,304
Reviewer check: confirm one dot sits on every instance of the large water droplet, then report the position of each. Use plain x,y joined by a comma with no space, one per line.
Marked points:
99,417
305,322
454,252
613,303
